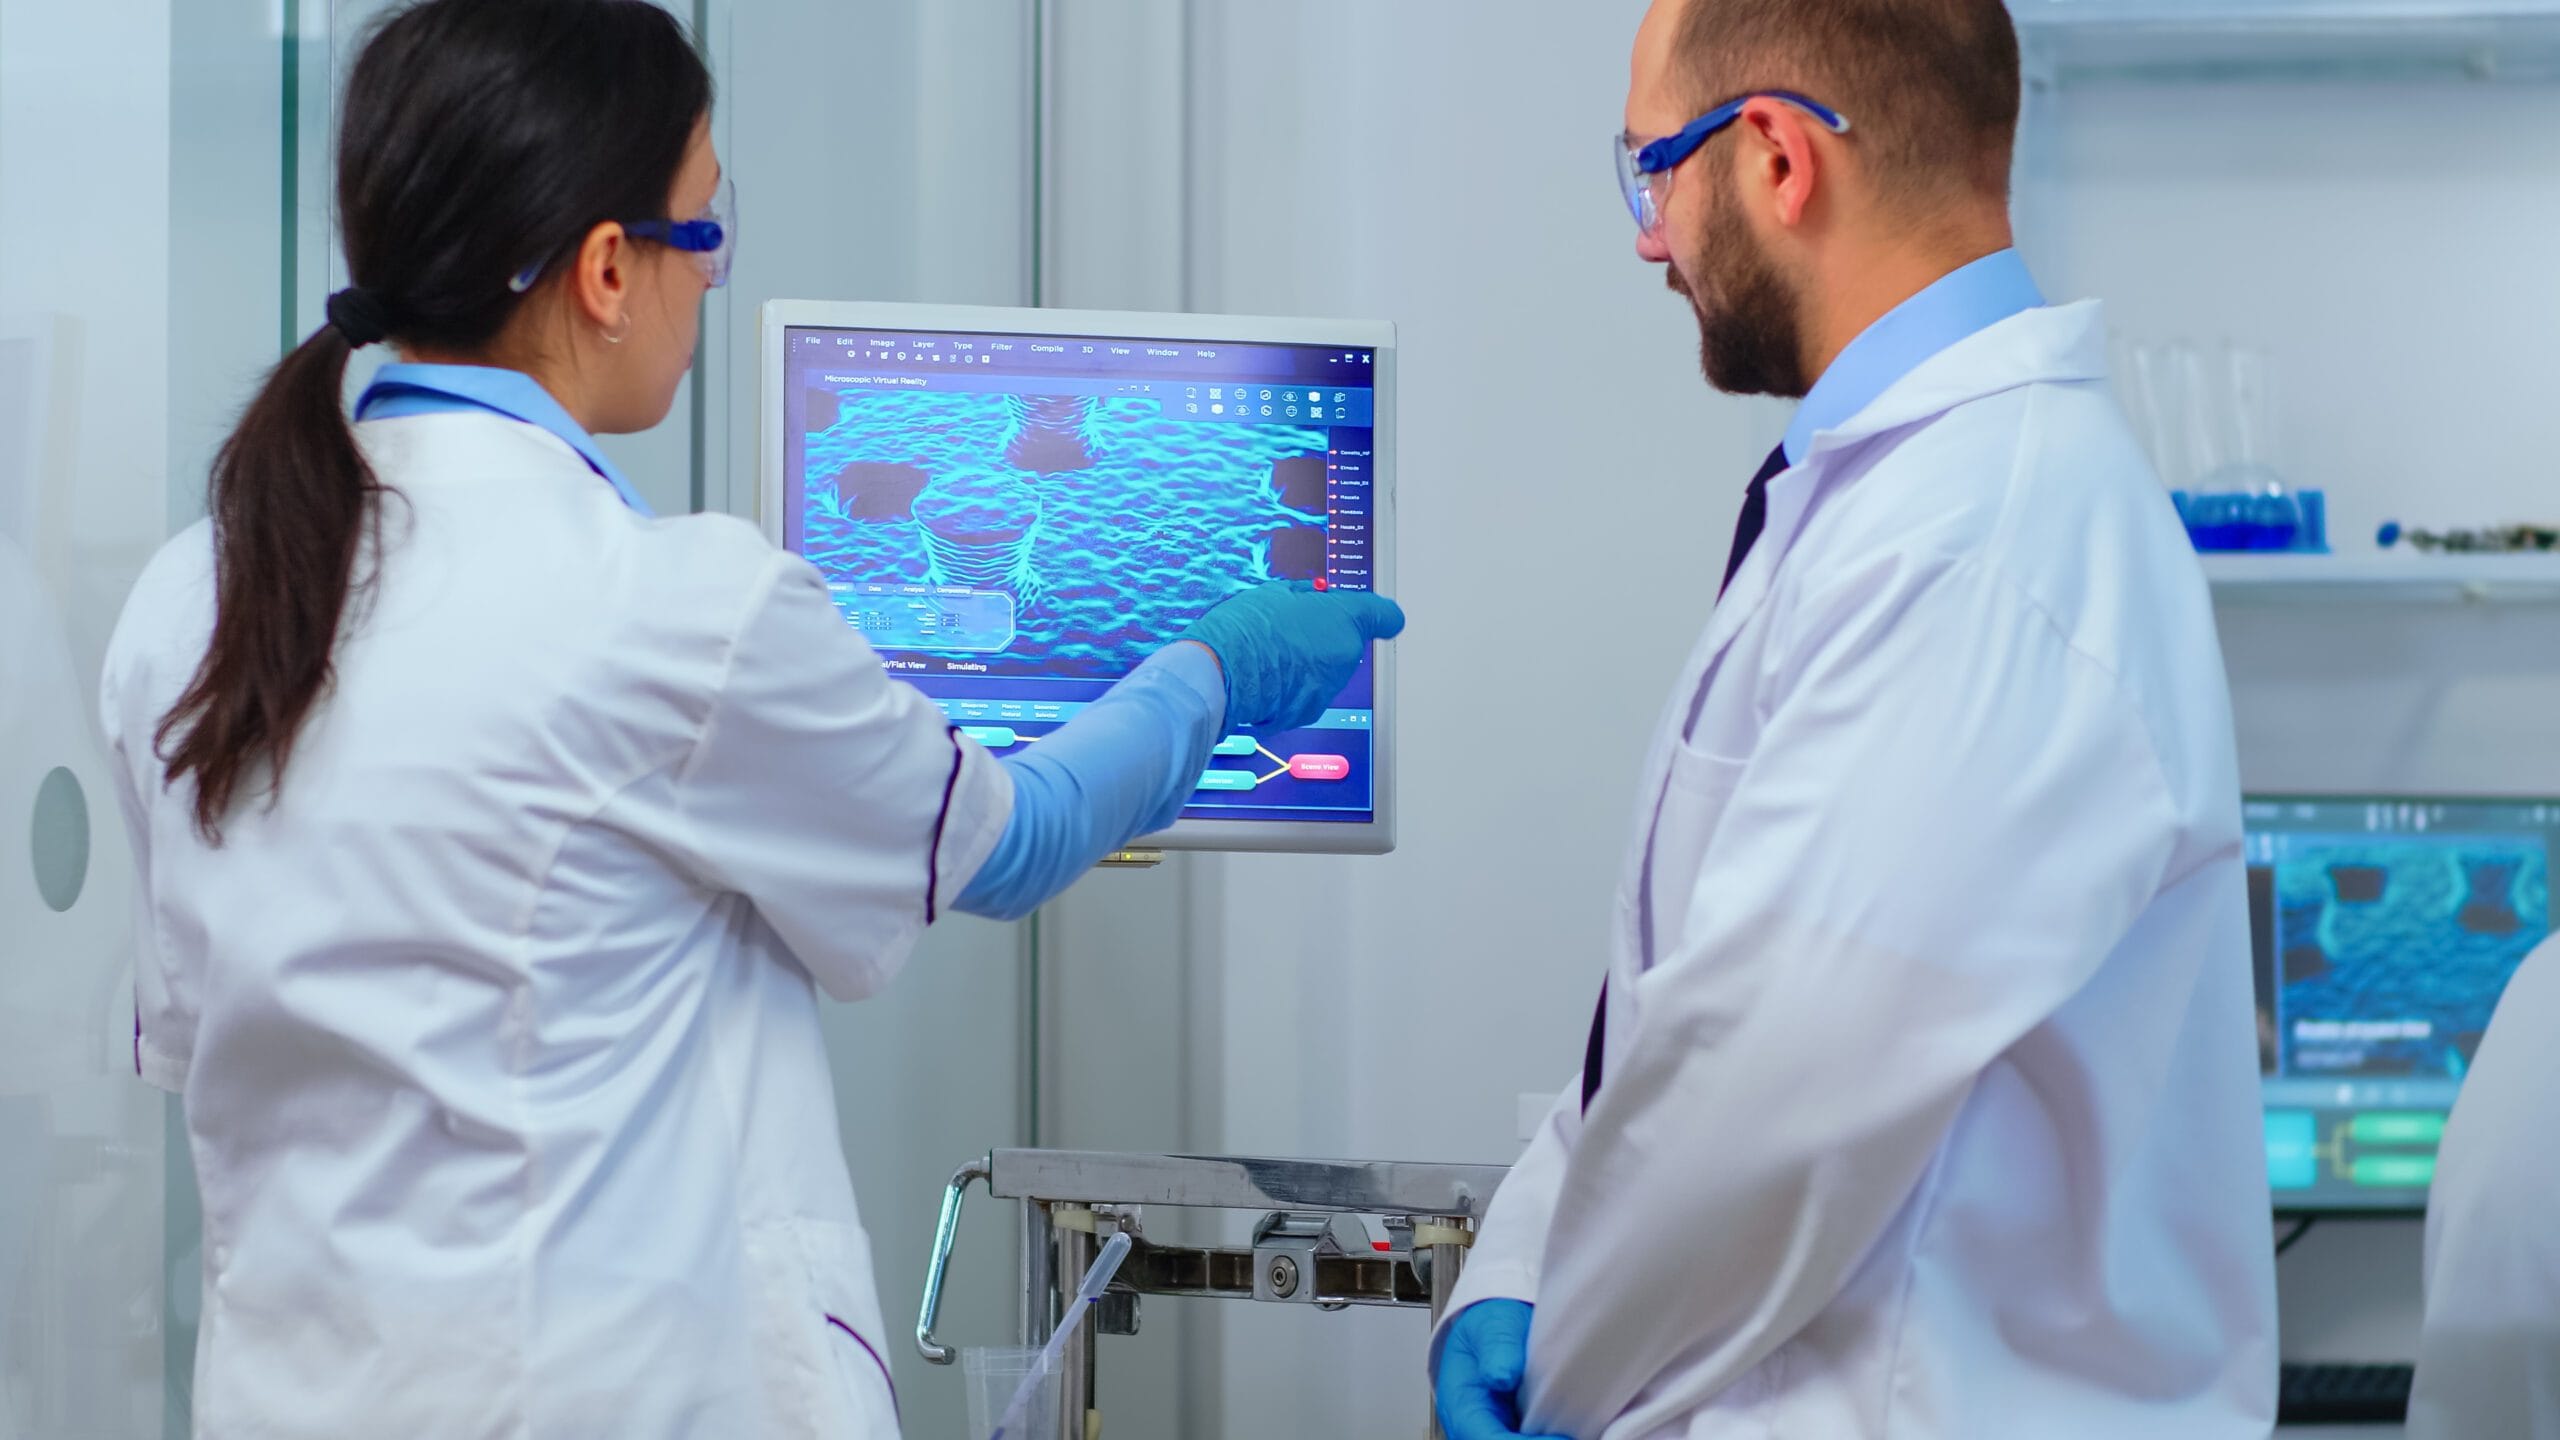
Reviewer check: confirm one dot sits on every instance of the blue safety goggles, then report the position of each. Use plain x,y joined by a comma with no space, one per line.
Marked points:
1645,166
710,238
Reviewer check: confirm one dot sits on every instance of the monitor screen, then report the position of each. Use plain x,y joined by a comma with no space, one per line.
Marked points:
1016,520
2384,931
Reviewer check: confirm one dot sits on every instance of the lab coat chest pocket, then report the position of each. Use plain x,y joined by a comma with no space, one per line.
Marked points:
1694,797
819,1334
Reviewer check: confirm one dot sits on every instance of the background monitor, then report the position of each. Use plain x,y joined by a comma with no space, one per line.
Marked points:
2385,929
1016,507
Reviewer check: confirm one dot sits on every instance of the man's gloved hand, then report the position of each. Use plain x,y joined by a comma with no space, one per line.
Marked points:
1289,648
1481,1365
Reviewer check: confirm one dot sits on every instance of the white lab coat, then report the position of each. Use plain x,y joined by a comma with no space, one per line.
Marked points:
1931,1092
498,1032
2489,1352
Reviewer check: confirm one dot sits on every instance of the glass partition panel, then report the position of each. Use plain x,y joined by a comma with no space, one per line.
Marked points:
140,151
165,232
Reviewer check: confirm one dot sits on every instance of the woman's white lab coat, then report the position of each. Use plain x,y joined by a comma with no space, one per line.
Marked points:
1930,1102
498,1030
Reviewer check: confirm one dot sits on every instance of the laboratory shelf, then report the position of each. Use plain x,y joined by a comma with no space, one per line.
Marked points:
2067,40
2414,578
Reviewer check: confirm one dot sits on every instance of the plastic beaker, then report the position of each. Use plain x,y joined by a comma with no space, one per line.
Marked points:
994,1374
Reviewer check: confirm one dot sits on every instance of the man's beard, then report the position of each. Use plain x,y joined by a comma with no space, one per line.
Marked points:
1750,334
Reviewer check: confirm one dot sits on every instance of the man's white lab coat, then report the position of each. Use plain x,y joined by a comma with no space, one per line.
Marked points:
1931,1098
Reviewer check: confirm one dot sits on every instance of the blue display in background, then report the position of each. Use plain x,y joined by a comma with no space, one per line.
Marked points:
2393,953
2293,1153
2384,932
1047,514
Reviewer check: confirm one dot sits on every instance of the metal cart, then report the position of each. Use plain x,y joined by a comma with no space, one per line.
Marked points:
1309,1246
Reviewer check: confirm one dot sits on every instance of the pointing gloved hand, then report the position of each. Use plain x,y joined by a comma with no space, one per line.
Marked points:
1481,1365
1289,648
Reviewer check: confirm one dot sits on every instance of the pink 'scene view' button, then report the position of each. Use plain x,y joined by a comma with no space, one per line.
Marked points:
1319,767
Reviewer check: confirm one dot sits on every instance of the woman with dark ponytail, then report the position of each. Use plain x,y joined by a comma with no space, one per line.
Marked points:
497,837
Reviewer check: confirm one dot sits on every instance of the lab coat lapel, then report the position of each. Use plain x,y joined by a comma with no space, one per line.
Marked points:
2044,346
2053,344
1789,501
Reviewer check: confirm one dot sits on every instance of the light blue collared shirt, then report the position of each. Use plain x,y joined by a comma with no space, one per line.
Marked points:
401,389
1962,303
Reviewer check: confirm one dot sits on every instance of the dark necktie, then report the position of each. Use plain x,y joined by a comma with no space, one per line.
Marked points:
1755,515
1746,533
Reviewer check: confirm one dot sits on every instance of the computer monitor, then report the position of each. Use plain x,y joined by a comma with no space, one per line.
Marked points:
1017,507
2385,928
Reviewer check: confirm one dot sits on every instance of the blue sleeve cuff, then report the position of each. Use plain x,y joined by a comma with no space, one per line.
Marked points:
1123,767
1192,664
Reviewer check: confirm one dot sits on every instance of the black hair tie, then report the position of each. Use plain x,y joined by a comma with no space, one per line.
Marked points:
360,316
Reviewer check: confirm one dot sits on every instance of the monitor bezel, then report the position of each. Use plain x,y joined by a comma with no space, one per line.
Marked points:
2392,1209
1377,835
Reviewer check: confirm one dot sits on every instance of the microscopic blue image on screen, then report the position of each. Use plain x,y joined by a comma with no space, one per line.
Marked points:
2394,953
2383,930
1017,521
1110,525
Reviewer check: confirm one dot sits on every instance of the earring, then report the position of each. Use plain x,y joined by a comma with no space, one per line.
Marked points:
620,333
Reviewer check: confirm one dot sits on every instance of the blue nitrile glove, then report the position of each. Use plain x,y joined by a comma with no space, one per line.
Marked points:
1289,648
1121,768
1481,1365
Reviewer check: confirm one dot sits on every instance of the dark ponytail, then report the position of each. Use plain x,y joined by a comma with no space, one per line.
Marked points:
482,141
